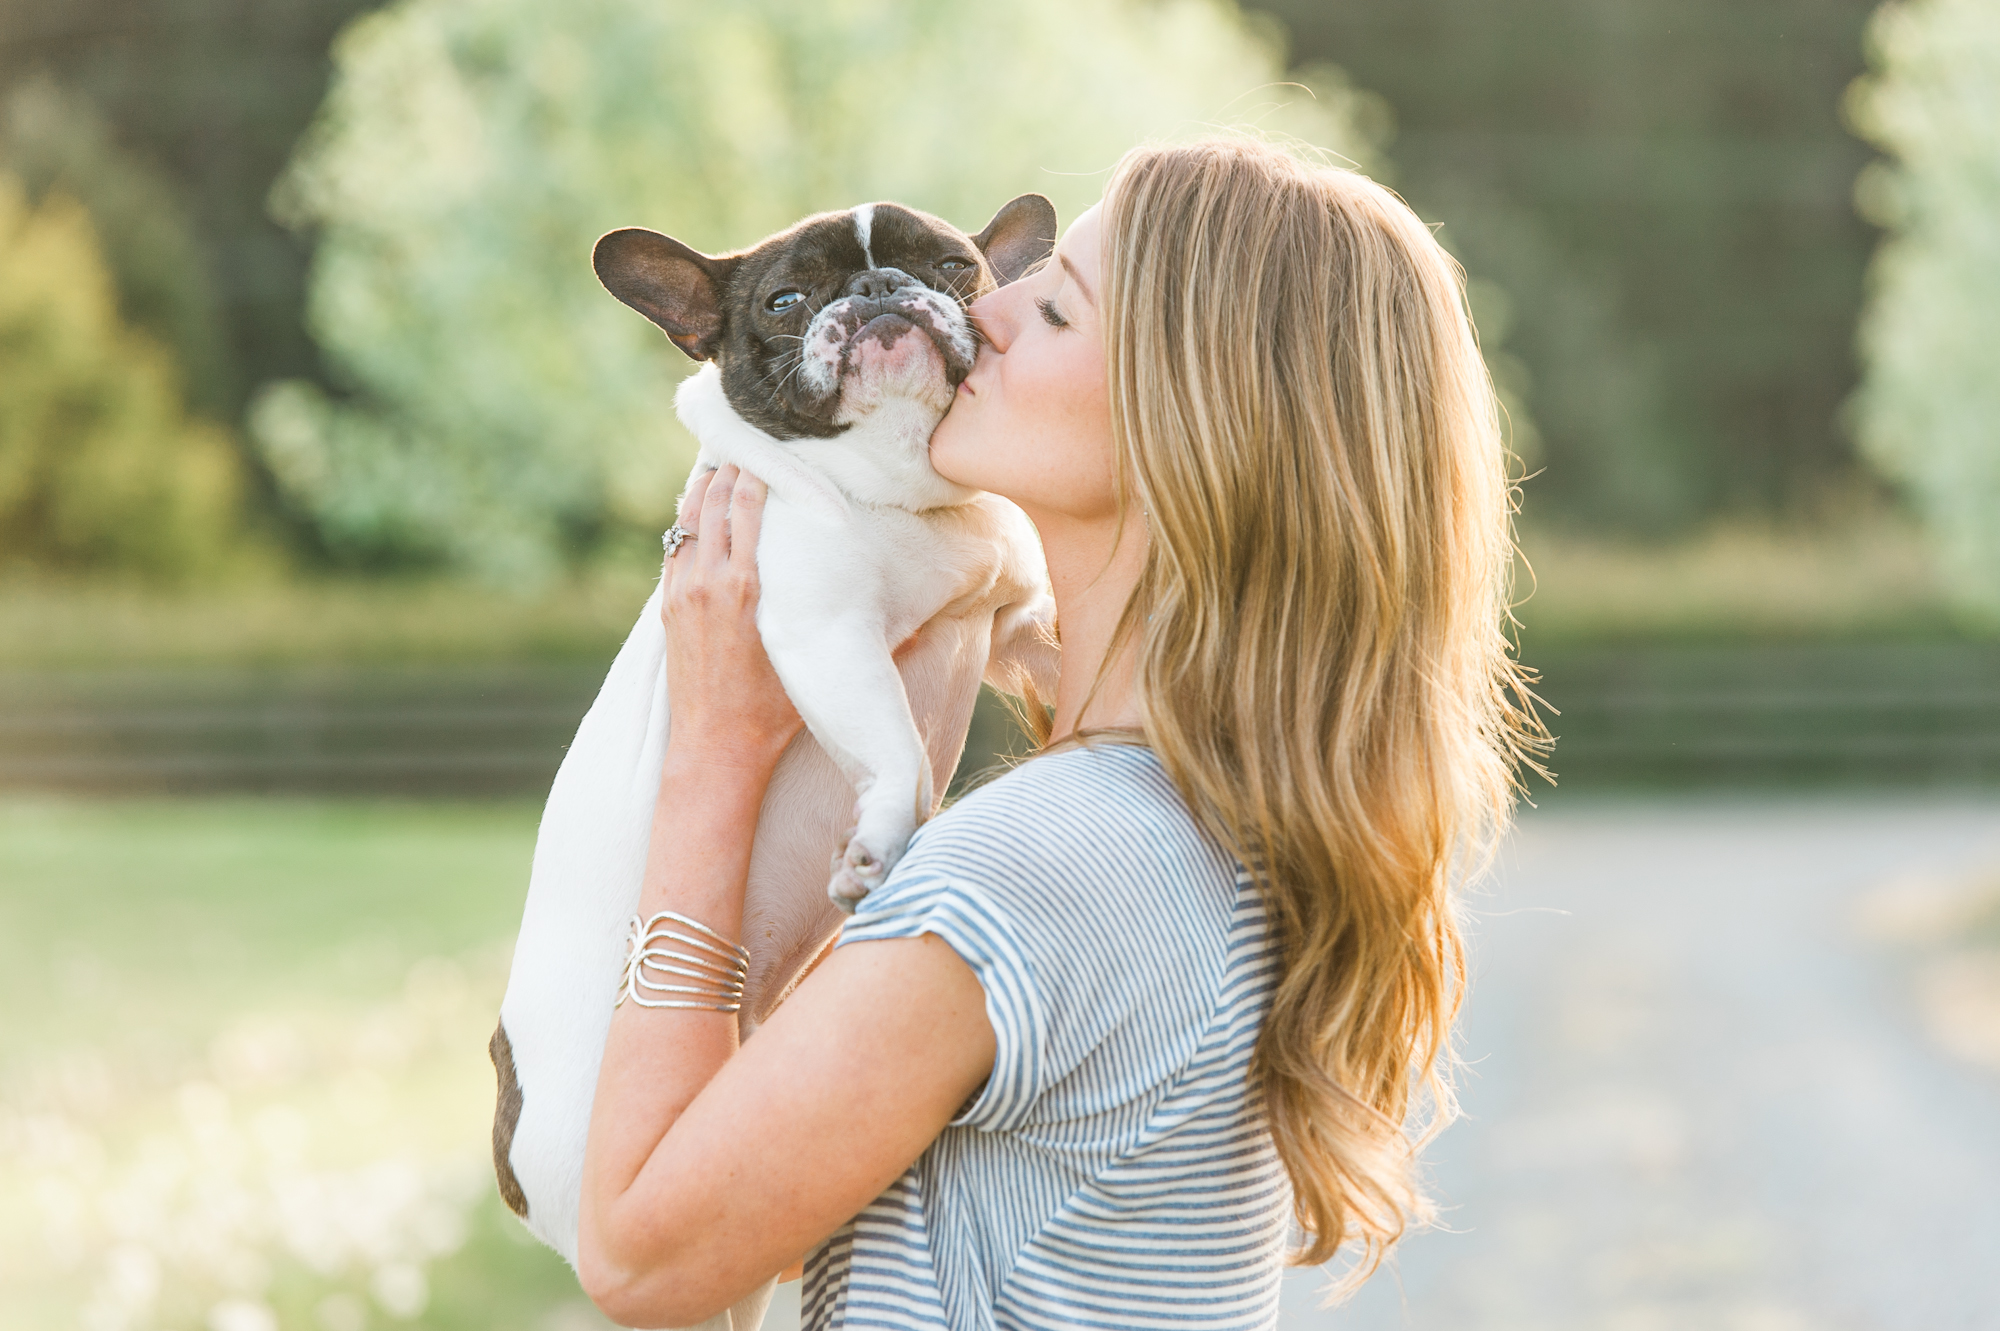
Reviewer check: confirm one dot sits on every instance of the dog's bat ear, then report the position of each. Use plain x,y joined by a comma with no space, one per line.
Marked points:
678,288
1021,235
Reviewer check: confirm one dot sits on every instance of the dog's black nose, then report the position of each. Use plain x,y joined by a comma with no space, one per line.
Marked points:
876,283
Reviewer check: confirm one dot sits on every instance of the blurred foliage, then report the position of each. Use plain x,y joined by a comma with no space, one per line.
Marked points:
504,414
210,95
1928,412
1655,200
52,139
100,466
1662,192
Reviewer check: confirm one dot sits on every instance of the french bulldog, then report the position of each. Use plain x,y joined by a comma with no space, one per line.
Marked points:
830,351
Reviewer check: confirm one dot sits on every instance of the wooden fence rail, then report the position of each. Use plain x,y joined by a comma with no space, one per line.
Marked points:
1660,716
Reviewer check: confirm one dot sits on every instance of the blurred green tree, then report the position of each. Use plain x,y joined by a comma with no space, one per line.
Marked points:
53,139
205,98
100,466
1928,412
503,413
209,95
1663,193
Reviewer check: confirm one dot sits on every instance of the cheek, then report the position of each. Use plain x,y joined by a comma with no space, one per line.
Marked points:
1090,399
958,445
1076,423
1058,387
1040,433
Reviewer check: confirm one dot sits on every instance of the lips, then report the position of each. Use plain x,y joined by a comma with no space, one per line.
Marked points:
985,348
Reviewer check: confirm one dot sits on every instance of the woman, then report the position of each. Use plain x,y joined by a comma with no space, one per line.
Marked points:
1074,1063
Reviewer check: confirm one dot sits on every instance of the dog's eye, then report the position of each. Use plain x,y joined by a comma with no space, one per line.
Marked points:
784,300
953,265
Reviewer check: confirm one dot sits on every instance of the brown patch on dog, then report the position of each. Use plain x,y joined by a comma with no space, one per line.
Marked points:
506,1113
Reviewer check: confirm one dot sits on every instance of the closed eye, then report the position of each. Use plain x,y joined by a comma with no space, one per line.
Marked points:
1050,314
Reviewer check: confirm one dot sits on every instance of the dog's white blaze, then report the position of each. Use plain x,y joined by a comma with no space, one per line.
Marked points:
864,227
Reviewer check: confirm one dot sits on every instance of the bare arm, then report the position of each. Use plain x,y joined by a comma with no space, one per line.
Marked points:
707,1171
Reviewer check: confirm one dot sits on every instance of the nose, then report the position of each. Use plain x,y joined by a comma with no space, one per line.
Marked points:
875,283
989,315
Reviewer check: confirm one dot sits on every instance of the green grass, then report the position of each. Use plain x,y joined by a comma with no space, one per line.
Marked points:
190,911
318,971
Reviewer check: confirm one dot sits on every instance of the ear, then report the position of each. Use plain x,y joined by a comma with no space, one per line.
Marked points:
678,288
1021,235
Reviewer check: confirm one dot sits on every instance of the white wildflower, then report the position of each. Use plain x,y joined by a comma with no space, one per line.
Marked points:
292,1155
341,1312
401,1289
242,1315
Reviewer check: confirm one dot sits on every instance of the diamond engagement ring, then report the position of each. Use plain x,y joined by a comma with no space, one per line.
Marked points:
671,541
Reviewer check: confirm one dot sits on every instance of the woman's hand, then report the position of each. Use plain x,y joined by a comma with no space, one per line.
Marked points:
725,701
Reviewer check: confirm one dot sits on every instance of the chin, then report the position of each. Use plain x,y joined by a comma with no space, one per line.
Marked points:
945,458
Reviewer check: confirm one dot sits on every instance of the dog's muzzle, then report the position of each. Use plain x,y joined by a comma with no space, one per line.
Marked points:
862,328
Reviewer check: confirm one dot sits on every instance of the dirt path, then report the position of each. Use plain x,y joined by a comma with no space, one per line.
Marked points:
1709,1088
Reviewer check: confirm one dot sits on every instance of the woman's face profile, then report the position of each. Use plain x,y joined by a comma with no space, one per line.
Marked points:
1032,422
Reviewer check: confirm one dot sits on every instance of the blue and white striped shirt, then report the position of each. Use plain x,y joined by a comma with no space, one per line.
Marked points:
1117,1169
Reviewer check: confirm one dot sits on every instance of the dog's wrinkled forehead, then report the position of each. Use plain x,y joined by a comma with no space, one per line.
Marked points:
817,257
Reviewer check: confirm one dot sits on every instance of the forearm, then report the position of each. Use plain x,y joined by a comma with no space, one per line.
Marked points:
657,1060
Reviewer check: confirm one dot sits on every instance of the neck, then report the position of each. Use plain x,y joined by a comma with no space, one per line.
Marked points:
1092,571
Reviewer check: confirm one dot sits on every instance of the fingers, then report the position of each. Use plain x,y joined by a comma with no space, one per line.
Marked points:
690,509
723,512
688,519
746,519
713,548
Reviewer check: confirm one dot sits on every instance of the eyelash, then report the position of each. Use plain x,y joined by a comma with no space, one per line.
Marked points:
1050,315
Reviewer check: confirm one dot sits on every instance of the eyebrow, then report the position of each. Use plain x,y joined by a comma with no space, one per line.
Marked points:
1077,278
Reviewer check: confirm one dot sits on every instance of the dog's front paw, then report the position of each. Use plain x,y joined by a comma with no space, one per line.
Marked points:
857,870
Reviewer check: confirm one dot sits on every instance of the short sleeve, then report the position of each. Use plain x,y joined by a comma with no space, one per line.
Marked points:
975,925
1095,914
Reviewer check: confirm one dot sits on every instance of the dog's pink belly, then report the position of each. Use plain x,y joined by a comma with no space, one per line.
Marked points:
787,917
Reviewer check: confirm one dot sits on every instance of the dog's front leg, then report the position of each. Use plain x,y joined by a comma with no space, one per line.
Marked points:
844,682
1025,653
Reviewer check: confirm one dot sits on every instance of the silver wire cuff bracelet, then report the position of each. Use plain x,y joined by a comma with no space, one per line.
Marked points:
718,966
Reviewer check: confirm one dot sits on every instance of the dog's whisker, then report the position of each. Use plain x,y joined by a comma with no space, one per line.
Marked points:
795,372
797,363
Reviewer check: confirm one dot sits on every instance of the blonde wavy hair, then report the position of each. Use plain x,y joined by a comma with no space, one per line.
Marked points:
1301,414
